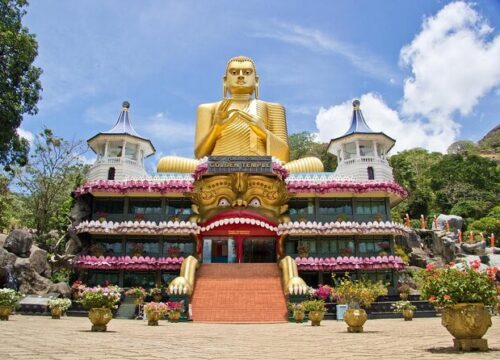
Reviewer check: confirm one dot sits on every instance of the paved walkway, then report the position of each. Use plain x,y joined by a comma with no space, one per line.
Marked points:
36,337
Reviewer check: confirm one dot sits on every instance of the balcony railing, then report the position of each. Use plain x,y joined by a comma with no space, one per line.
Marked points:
365,160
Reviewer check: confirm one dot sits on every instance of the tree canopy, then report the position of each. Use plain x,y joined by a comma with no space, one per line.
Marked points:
20,86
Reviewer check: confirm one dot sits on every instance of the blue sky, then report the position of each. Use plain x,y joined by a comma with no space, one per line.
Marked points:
427,72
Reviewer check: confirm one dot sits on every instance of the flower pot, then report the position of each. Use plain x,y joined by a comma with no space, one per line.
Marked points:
156,298
56,312
467,323
408,314
5,311
138,301
174,316
299,316
153,317
316,317
355,318
100,317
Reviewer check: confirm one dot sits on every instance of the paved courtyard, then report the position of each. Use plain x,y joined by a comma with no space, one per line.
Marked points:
36,337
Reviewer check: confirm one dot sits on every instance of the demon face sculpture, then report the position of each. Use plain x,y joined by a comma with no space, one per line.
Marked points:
250,194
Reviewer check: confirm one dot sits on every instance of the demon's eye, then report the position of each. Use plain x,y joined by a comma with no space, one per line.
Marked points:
223,202
254,202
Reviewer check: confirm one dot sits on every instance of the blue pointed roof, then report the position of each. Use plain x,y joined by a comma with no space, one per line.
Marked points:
123,124
359,126
358,123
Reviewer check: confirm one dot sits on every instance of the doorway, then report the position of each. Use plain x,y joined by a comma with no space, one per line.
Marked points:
259,250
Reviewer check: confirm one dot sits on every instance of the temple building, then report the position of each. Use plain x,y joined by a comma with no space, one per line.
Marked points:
251,214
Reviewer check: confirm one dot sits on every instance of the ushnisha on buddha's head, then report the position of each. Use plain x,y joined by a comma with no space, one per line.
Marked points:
241,77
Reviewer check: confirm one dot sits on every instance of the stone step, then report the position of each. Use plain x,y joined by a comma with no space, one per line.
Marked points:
245,293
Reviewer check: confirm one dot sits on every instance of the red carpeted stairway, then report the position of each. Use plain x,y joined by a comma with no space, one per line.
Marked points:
239,293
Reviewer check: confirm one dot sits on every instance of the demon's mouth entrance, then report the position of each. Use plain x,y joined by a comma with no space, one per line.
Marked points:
238,249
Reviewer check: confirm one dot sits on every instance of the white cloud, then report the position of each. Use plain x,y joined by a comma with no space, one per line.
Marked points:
28,135
165,133
335,120
453,63
316,40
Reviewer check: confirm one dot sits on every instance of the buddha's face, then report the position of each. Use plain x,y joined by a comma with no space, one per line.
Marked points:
240,77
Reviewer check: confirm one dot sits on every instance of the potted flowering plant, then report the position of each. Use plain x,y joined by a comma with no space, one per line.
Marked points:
404,291
99,301
138,293
315,309
298,311
77,289
323,292
357,293
303,250
101,216
406,308
156,293
154,312
137,249
58,306
174,310
463,294
173,251
8,298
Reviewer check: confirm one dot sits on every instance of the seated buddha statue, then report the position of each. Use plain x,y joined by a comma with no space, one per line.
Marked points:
241,125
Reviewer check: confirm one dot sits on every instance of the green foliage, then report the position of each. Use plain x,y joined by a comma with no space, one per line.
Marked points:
314,305
358,292
452,286
399,251
19,81
488,225
62,275
100,297
463,147
401,305
495,212
54,170
470,209
8,297
304,144
491,141
63,304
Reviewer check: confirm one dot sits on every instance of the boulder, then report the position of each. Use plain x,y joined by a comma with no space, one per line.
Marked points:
39,262
60,288
80,211
74,245
2,239
19,242
455,222
29,281
6,258
477,248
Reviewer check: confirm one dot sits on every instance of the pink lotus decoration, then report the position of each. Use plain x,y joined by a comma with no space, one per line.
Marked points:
332,186
350,263
122,187
128,263
138,227
341,228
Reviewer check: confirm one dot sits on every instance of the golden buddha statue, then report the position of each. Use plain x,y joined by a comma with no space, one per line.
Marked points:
241,125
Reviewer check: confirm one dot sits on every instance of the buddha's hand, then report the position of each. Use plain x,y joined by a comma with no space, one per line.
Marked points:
258,127
221,115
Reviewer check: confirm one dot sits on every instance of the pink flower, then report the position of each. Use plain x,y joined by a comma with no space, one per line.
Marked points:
430,267
475,264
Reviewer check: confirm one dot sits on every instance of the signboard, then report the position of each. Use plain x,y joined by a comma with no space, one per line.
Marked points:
244,164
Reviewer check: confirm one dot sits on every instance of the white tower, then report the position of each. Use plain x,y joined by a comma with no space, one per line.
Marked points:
120,151
362,153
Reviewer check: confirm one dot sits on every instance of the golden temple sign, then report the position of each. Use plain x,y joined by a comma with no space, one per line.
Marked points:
243,164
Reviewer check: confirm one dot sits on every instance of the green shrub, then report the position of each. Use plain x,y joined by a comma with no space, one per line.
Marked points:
487,224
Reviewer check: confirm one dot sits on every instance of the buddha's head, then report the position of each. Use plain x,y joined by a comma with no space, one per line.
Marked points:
241,77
